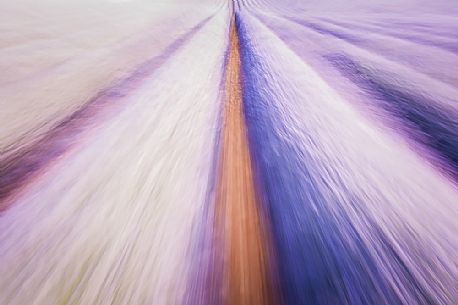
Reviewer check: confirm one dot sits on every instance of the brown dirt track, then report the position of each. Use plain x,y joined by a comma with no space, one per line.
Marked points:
246,276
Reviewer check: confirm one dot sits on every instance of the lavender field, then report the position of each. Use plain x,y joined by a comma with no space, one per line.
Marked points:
222,152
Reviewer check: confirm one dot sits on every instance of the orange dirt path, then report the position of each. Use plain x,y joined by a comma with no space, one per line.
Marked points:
246,279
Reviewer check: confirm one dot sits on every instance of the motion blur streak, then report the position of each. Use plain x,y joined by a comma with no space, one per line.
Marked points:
111,223
17,168
215,152
348,206
246,274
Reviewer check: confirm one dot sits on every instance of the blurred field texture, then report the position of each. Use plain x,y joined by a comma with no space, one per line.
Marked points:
213,152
